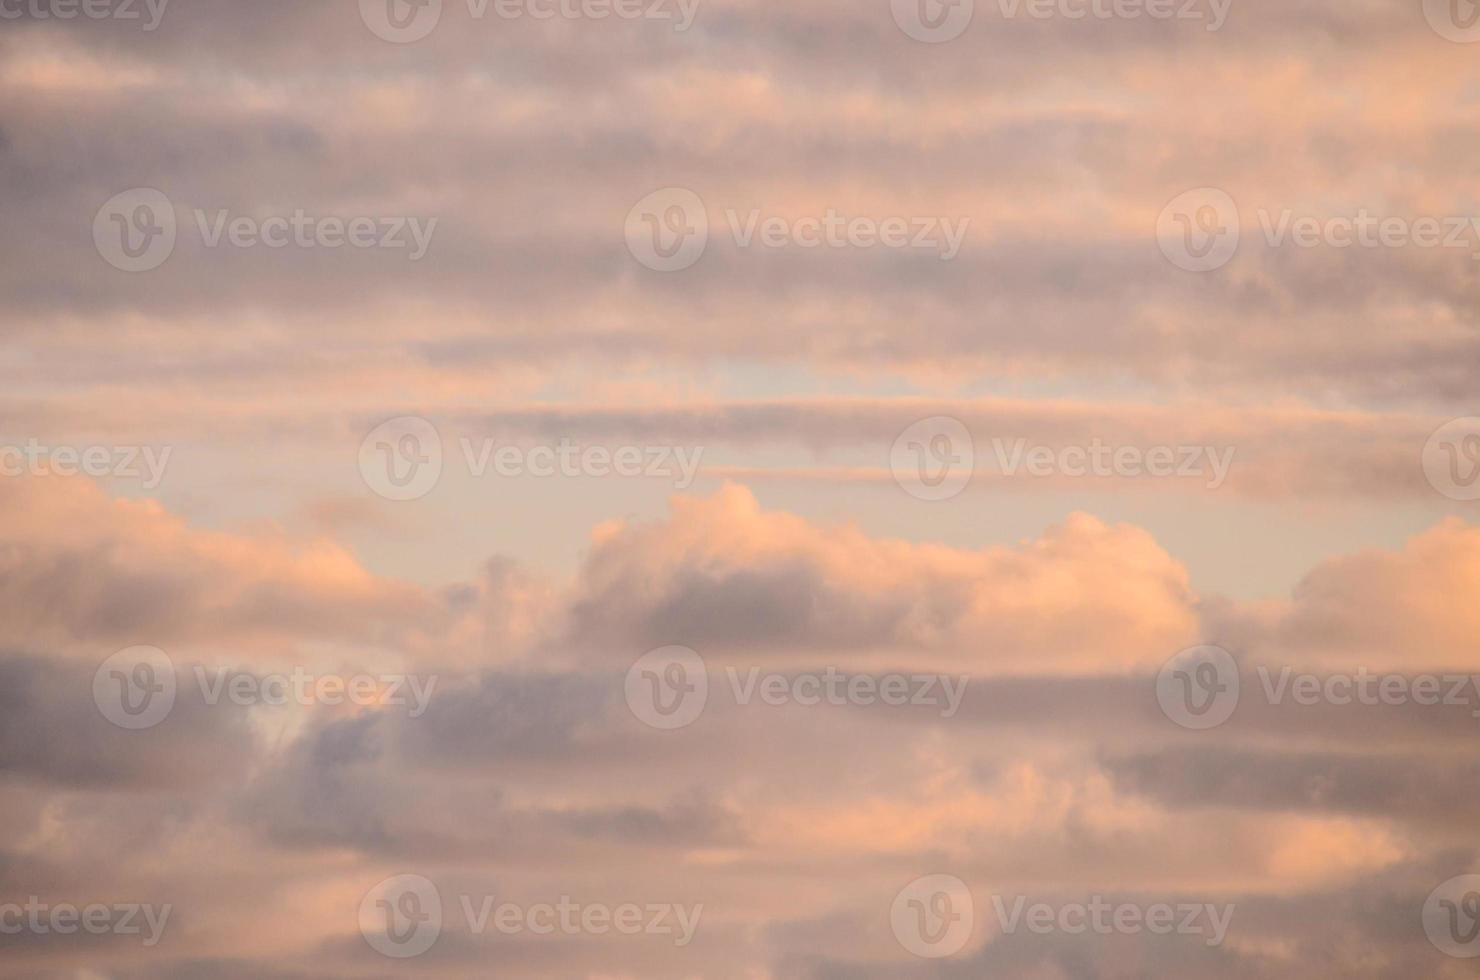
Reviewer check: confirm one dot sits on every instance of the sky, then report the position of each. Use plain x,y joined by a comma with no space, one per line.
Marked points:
737,489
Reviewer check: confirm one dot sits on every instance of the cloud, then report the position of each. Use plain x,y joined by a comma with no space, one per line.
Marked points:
722,575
